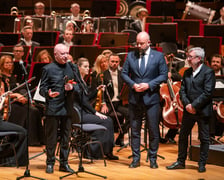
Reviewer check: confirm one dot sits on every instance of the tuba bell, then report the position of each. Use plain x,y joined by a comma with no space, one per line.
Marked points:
87,24
14,11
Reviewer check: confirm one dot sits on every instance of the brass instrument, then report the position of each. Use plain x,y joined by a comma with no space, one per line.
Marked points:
14,11
87,23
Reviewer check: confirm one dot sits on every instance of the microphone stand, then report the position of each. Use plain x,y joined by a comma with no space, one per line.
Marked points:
27,171
84,91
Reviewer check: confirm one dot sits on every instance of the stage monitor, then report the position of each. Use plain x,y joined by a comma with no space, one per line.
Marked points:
211,45
46,38
214,30
107,39
102,8
187,27
163,8
89,52
162,32
84,38
9,39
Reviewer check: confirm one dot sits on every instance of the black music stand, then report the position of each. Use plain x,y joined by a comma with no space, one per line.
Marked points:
102,8
9,39
211,45
84,38
159,32
89,52
214,30
187,27
109,39
29,101
46,38
158,19
7,22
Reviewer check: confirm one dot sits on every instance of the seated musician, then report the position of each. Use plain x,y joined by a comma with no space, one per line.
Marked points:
20,140
216,126
18,104
90,115
114,84
220,20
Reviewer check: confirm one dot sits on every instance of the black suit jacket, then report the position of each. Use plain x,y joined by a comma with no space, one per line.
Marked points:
109,83
198,90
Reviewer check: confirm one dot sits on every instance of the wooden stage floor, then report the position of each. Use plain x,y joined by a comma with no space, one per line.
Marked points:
119,169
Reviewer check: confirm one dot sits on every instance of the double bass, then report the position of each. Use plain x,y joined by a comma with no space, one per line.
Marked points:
172,111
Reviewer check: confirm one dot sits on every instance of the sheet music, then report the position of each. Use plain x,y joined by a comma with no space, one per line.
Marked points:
37,96
219,84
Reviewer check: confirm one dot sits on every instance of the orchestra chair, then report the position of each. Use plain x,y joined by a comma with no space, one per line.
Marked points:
5,145
81,135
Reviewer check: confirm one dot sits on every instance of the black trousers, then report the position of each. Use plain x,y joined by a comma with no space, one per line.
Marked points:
188,122
57,126
19,141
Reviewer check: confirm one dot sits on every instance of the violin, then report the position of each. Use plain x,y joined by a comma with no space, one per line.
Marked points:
99,98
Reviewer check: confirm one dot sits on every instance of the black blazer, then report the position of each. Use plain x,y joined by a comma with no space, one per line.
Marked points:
198,90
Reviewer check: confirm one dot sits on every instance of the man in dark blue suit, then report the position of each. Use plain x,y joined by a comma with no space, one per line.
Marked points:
143,71
196,91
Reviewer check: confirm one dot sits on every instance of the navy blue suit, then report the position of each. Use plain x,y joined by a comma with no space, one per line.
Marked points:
146,102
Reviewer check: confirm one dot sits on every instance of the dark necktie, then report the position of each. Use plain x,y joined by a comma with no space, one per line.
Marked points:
142,64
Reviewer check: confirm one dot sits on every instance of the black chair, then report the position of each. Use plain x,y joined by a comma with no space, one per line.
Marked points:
5,145
81,135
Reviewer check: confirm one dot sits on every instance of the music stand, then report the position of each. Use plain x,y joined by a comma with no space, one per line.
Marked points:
163,8
46,38
107,39
162,32
84,38
186,28
9,39
7,22
102,8
211,44
89,52
214,30
108,25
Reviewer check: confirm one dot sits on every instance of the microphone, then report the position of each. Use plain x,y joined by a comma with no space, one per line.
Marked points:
23,67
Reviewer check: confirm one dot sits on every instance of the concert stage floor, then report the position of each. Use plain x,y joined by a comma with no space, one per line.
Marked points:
119,169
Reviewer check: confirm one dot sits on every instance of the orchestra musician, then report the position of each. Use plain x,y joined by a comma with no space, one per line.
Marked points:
143,71
196,91
17,111
112,79
90,115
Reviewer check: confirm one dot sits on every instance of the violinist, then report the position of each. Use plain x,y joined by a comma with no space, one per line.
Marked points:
17,111
20,141
90,115
114,84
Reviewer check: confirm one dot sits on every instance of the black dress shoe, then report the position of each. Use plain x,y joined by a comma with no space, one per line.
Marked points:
110,156
50,169
201,168
163,140
66,168
176,165
153,165
134,164
120,141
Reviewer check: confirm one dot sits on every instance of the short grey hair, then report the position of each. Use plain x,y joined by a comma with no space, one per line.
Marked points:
200,52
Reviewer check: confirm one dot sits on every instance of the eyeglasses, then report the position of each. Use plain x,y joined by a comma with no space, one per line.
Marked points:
18,50
191,57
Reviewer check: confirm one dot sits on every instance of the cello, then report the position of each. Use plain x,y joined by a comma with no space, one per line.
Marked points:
172,111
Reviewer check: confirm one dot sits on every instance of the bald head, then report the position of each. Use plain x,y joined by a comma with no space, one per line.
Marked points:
143,41
61,53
